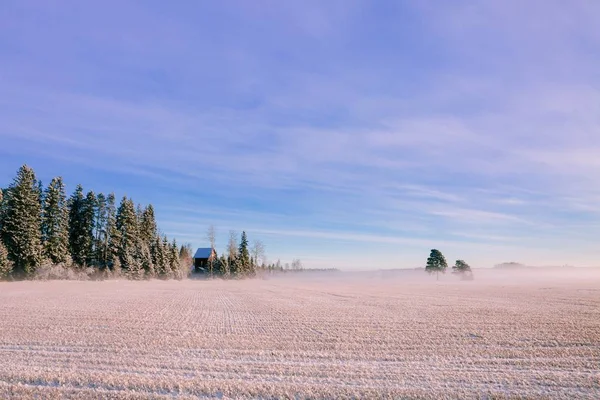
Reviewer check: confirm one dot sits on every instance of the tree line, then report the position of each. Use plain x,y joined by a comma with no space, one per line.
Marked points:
240,259
41,226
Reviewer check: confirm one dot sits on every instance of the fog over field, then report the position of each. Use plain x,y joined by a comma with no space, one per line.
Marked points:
385,334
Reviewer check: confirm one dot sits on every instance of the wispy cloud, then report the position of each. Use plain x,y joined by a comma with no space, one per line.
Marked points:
469,126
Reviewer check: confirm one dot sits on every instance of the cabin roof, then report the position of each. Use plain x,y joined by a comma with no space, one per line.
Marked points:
203,252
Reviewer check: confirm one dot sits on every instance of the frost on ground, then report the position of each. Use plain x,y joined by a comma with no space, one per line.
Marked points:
346,337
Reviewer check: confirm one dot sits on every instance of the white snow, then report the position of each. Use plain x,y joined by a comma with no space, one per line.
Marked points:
350,336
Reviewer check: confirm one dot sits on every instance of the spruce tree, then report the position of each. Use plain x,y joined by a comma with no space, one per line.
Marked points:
233,265
89,223
135,269
127,228
2,208
55,223
100,231
436,263
159,258
145,257
112,238
6,265
78,236
22,222
224,268
148,229
217,268
243,256
174,259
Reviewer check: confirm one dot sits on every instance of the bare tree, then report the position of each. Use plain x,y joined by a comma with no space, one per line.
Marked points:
258,252
211,233
232,246
296,264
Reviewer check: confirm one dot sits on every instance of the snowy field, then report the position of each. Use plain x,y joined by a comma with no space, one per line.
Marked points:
343,336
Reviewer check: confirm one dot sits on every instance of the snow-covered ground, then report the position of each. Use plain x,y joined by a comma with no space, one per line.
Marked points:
310,336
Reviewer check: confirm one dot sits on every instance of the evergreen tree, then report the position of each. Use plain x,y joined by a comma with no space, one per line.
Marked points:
112,239
3,204
22,222
244,267
463,270
436,263
144,256
173,251
159,258
1,207
148,229
6,265
40,193
461,266
135,269
55,223
78,235
89,224
217,267
100,230
138,213
224,268
127,228
234,267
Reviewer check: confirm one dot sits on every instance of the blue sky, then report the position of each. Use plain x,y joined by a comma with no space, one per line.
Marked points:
349,134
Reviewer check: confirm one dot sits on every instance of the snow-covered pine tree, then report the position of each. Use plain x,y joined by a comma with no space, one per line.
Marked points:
112,239
89,222
1,207
127,228
217,268
77,232
175,265
158,258
138,214
55,223
6,265
144,256
233,266
224,267
22,222
135,269
148,228
100,231
243,258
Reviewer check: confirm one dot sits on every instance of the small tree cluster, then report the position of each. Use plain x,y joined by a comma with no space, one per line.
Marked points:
436,264
86,230
239,260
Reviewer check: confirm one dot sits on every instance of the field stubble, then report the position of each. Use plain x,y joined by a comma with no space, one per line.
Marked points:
360,337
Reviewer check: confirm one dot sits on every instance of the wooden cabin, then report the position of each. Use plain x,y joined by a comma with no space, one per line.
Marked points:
202,257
